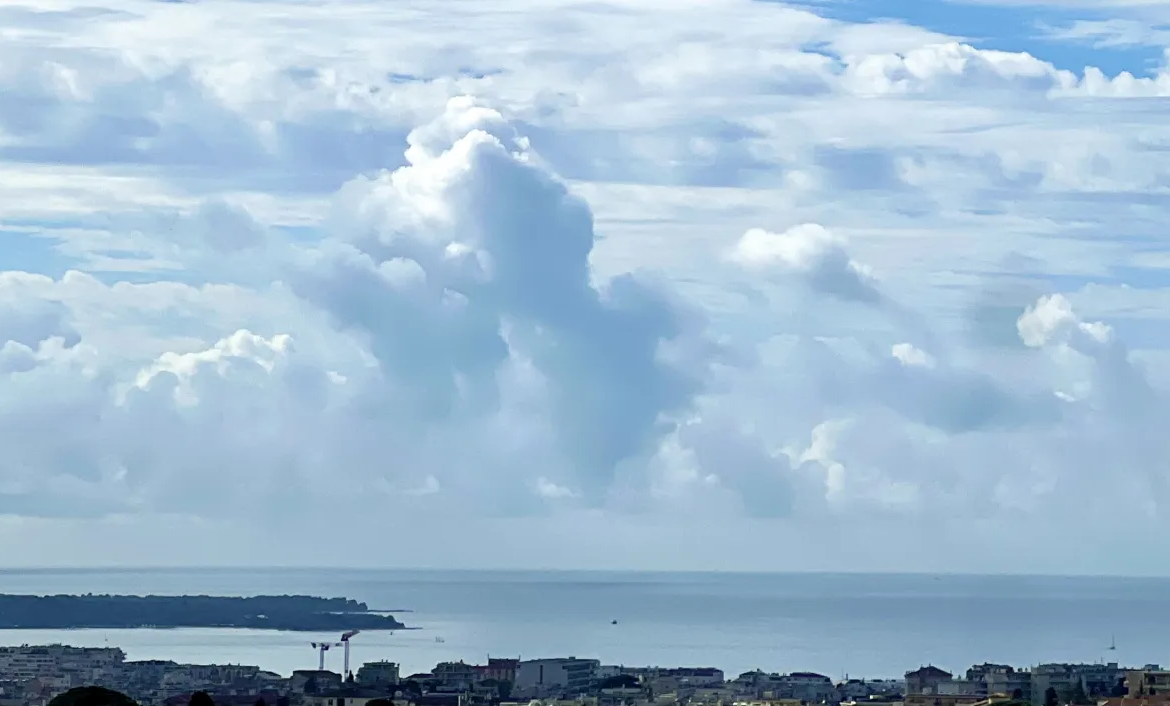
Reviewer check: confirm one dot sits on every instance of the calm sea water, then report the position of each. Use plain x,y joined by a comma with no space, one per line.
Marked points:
862,625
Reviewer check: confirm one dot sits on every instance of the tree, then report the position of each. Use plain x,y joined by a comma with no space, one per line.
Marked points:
92,696
1078,695
259,702
410,687
1050,698
1017,695
201,698
620,681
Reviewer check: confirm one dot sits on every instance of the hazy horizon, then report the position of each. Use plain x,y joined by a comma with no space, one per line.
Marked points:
305,569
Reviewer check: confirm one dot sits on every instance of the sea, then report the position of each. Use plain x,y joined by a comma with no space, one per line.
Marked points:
855,625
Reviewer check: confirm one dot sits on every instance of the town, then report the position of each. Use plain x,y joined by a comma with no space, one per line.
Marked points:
34,675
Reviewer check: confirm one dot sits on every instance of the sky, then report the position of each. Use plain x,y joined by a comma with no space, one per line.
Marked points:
625,284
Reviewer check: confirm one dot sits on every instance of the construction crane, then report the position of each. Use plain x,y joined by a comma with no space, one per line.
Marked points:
323,647
345,641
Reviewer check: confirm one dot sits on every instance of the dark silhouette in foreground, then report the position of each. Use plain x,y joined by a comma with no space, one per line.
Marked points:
92,696
201,698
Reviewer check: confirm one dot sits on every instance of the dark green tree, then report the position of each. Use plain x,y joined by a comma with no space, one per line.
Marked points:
259,702
1017,695
1050,697
1078,695
620,681
201,698
410,687
92,696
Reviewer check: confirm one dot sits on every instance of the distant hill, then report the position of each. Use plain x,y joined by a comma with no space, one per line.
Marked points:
306,613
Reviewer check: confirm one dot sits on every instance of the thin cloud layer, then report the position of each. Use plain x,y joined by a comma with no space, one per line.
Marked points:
736,274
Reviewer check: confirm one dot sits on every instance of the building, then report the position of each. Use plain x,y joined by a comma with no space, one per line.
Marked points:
34,661
1103,680
347,696
869,689
1155,700
318,681
544,676
500,669
942,699
456,676
806,687
378,673
926,680
1091,680
696,676
1147,682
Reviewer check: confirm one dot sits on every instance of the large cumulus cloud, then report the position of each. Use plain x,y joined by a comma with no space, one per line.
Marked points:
449,346
464,279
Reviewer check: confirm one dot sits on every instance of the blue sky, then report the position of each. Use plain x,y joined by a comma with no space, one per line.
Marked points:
1008,27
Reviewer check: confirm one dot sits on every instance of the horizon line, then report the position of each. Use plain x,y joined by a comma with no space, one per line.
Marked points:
9,570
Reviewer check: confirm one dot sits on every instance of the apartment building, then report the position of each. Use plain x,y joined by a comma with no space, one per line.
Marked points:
541,676
44,661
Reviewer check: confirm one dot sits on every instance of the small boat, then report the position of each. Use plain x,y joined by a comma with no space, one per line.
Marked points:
614,623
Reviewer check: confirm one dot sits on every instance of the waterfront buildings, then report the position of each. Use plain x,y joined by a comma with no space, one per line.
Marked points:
31,675
55,661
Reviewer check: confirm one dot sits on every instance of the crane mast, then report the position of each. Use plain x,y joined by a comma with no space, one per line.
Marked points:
322,648
345,641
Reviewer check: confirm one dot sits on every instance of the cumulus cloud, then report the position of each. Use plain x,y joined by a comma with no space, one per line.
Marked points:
473,258
713,269
466,277
809,251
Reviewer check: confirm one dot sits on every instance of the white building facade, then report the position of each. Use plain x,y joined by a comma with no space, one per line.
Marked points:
544,676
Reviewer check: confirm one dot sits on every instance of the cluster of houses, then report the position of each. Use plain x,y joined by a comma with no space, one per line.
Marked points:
1043,685
572,681
31,676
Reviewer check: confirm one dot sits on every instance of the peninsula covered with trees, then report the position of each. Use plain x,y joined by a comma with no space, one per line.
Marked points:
303,613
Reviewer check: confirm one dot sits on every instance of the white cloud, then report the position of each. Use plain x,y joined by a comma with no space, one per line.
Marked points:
513,268
812,252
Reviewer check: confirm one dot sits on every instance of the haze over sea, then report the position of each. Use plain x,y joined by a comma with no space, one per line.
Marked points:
862,624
